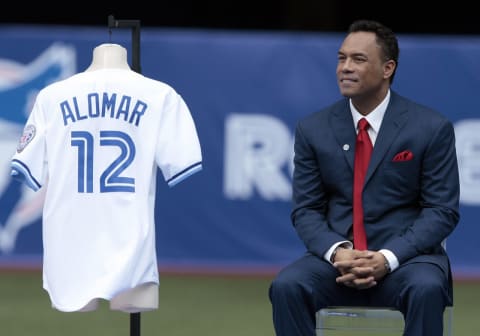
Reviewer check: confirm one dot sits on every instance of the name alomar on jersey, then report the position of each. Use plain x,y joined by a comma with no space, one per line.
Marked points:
101,105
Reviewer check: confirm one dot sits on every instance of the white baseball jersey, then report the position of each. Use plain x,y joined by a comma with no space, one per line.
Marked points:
98,138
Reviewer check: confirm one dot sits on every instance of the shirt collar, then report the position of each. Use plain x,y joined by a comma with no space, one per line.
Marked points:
375,117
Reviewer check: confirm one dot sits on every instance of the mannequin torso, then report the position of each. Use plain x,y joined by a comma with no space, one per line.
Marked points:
134,300
143,297
109,56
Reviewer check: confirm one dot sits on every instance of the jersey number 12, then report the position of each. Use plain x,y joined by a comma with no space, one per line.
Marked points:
111,179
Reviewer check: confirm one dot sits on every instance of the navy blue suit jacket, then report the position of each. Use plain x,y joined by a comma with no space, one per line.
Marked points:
410,206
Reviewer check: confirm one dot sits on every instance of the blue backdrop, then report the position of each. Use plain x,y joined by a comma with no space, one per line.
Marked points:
245,90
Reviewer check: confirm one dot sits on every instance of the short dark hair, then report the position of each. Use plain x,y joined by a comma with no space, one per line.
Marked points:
385,37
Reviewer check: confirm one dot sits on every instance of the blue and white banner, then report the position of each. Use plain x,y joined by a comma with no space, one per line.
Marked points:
246,90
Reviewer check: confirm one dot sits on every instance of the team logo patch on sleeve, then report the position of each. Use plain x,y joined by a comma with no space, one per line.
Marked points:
27,136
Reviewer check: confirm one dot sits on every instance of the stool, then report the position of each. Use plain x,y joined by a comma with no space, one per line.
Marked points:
342,321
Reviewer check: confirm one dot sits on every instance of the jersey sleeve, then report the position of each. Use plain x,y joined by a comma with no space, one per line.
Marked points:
178,152
28,164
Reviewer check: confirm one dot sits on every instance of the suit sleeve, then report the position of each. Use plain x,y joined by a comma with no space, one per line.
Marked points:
439,197
309,199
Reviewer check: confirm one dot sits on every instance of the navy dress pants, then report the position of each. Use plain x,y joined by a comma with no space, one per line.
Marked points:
419,290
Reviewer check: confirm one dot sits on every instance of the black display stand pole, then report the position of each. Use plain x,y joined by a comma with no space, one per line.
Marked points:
135,26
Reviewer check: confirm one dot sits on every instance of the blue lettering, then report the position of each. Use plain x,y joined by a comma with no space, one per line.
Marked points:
66,112
138,111
103,105
109,104
93,105
123,108
77,110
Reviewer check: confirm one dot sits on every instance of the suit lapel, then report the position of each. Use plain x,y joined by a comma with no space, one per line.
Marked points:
341,122
395,118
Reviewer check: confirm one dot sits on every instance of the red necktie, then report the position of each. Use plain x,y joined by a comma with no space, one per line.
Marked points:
363,151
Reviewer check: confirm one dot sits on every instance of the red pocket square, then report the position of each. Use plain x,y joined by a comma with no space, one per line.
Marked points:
406,155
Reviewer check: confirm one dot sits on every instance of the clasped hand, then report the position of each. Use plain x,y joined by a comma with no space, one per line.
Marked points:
359,269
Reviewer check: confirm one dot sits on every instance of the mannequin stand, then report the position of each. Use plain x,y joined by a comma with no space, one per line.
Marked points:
135,26
134,324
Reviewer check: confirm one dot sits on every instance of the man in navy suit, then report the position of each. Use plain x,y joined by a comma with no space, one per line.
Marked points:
410,199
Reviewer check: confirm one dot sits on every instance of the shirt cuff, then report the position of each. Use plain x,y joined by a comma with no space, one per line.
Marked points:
391,259
328,254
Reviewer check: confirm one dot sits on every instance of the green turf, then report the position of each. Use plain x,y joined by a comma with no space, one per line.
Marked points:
189,306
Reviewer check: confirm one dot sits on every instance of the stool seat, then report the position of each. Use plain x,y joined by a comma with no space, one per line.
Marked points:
342,321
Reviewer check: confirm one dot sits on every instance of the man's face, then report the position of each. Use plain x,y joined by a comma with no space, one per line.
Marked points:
360,67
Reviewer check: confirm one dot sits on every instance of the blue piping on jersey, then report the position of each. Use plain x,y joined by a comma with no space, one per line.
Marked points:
196,167
20,172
